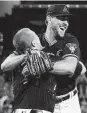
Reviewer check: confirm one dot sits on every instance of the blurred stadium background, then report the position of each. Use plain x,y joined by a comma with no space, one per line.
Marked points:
18,14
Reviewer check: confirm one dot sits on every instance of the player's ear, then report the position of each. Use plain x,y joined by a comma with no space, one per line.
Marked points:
46,22
33,43
48,18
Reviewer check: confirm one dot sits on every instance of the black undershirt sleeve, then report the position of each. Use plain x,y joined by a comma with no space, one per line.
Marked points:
77,71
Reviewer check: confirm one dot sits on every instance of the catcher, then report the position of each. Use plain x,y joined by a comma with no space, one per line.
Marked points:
33,87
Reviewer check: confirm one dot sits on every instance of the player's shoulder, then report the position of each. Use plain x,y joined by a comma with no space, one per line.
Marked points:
70,37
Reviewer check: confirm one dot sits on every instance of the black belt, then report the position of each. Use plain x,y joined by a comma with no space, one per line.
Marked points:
58,100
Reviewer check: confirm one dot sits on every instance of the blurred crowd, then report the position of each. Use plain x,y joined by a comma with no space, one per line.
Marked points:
5,94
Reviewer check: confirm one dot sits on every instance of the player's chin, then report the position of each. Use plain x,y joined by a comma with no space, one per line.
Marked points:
61,33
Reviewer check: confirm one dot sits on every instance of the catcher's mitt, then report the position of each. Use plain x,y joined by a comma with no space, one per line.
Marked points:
36,63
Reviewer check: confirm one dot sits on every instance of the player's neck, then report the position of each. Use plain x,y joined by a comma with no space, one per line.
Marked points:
50,37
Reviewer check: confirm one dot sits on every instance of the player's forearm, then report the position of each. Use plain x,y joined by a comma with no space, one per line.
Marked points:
65,66
58,72
11,63
60,69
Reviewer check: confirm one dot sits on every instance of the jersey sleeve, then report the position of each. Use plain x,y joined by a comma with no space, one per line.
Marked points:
71,47
77,71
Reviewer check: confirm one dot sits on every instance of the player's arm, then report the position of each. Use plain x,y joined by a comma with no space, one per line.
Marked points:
65,66
12,61
70,58
80,70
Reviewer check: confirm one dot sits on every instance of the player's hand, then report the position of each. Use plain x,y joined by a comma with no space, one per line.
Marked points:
83,68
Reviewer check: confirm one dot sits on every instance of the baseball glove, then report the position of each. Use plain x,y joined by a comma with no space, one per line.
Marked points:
36,63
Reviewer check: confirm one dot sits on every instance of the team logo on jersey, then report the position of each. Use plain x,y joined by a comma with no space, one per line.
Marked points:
72,47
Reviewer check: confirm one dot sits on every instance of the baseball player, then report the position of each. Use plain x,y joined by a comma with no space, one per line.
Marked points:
33,88
65,53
